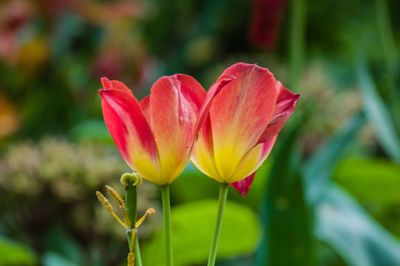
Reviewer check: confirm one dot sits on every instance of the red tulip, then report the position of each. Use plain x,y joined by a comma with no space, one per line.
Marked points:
154,136
239,122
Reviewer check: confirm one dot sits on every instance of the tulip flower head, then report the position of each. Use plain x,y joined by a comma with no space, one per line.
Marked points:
154,136
239,123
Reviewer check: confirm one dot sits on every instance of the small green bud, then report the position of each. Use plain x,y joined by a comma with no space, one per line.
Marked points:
131,179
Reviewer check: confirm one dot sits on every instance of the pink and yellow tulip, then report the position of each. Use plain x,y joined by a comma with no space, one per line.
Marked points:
154,136
239,122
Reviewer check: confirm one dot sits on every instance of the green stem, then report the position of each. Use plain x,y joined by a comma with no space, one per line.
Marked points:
131,210
137,252
167,223
223,194
131,203
297,33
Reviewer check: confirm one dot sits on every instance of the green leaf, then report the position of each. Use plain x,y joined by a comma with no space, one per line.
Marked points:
340,221
192,229
288,236
353,233
92,130
360,176
318,169
59,242
55,259
14,254
378,114
289,225
206,188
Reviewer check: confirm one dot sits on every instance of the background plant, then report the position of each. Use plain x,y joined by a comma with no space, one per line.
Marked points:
341,164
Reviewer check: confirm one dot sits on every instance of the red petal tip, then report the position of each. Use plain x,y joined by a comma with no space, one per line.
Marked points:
243,186
295,98
105,82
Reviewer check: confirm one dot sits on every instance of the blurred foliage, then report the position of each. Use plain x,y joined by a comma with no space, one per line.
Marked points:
91,131
352,233
340,221
360,176
206,188
52,184
52,54
192,226
14,254
288,237
379,114
69,168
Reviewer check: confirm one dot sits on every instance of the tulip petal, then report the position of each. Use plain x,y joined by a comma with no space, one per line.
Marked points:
203,152
249,166
240,113
285,106
252,160
173,107
235,69
129,128
114,84
243,186
222,81
145,106
203,149
193,92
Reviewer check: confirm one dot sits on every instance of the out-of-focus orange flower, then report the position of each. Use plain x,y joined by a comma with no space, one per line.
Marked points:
8,117
107,13
100,13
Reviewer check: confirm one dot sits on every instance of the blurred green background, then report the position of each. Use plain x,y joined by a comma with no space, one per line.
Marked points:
328,195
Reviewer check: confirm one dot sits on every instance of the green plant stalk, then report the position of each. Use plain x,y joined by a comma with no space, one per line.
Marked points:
296,49
137,252
167,223
385,33
131,210
223,194
131,203
389,53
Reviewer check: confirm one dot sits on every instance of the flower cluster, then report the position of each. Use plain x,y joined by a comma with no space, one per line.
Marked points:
227,132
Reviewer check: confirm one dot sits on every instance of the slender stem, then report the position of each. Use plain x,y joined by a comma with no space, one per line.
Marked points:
223,194
167,223
131,210
137,252
131,203
297,34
